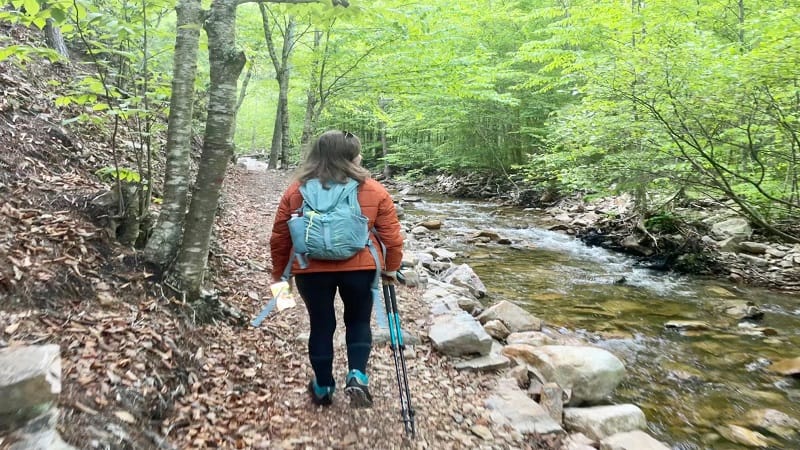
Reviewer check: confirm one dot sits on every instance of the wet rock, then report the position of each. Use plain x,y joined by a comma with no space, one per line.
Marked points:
741,310
431,224
599,422
514,317
491,235
773,422
632,440
788,367
719,291
689,325
742,435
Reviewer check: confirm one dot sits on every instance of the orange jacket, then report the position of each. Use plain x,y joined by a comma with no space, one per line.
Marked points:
376,205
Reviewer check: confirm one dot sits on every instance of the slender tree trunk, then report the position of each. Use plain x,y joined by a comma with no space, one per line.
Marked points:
242,95
383,103
226,64
275,147
309,120
54,38
280,134
164,243
283,97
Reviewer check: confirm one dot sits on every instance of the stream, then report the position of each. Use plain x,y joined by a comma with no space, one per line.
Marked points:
688,383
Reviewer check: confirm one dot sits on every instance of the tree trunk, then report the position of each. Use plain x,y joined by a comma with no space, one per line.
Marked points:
275,147
280,133
283,104
283,83
309,120
226,64
383,103
54,38
387,169
164,243
242,95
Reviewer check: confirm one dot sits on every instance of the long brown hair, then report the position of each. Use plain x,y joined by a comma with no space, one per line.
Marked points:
331,159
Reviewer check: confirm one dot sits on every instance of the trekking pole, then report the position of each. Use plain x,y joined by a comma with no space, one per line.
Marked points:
396,342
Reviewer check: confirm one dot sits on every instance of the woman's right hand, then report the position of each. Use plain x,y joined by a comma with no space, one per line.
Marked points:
389,276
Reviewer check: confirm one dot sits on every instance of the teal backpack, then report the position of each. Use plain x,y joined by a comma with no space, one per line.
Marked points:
329,224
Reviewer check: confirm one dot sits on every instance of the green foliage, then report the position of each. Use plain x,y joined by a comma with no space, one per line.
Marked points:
663,223
110,174
596,96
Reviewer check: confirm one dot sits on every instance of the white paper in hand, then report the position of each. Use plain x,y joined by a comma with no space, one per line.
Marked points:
282,294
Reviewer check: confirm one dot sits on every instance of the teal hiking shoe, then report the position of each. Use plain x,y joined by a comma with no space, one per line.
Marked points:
358,389
320,395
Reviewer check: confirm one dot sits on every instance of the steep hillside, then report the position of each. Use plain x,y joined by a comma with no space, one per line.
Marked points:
63,278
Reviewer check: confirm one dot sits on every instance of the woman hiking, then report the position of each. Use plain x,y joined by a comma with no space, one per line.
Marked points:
334,160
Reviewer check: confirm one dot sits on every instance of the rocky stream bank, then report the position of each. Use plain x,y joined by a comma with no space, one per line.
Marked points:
555,384
700,237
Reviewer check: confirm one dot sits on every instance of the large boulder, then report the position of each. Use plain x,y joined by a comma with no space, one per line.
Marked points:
514,317
30,381
736,228
459,334
590,373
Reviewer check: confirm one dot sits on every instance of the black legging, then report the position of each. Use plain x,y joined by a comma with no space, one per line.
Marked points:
318,291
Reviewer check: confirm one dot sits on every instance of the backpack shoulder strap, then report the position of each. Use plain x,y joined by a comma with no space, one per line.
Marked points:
351,188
